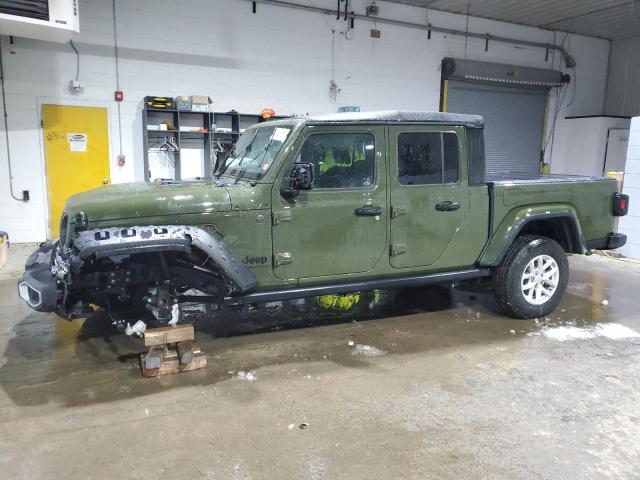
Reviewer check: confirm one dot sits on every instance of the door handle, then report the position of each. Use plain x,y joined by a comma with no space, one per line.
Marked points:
447,206
368,211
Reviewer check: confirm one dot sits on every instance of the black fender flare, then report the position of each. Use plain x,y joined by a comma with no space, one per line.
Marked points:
118,241
515,222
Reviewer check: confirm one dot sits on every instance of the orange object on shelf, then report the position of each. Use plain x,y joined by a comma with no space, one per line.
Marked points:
267,113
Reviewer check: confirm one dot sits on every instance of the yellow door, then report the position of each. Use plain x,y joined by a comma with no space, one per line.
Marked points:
76,146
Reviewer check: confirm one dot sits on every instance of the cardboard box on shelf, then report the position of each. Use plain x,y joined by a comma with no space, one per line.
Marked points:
200,103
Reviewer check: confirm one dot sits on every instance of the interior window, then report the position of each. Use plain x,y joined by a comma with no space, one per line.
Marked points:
427,158
341,160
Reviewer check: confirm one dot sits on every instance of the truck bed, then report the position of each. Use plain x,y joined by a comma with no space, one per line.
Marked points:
512,178
514,197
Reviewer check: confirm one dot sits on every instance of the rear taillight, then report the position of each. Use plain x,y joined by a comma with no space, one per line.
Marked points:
620,204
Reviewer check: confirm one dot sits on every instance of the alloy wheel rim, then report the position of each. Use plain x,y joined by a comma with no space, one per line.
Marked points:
540,279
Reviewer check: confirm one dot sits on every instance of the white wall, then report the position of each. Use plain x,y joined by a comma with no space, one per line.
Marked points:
630,224
580,144
278,58
624,75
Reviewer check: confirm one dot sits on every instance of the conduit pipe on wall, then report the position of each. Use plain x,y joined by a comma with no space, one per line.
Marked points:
568,59
115,48
6,133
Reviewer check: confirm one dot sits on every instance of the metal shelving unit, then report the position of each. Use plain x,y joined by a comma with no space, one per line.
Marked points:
163,149
230,125
221,131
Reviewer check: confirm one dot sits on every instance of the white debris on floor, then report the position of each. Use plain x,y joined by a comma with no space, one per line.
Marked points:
612,331
137,329
249,376
367,351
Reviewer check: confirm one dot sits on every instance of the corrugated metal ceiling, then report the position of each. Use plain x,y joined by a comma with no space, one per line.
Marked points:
610,19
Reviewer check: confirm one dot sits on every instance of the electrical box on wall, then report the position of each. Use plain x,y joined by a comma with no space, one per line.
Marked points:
373,10
50,20
75,86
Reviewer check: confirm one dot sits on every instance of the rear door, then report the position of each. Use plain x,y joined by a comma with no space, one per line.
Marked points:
339,227
429,195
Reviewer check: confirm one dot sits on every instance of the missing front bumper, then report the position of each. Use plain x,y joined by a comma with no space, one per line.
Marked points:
38,287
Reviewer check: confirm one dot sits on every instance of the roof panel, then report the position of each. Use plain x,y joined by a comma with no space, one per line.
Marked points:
398,116
610,19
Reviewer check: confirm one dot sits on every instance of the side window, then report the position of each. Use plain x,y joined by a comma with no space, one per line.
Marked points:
428,158
341,160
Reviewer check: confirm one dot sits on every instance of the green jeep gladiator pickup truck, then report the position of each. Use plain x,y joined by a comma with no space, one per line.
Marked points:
325,205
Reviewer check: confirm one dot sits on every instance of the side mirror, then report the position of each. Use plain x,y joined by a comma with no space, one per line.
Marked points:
301,178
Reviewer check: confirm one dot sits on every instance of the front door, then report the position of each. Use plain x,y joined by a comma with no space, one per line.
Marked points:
76,145
339,226
429,198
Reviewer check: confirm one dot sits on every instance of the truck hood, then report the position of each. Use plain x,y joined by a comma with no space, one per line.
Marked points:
150,199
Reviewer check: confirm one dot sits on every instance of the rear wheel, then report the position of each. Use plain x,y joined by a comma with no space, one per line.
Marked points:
532,277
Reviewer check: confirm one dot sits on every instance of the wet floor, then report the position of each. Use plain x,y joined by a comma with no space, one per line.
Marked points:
422,383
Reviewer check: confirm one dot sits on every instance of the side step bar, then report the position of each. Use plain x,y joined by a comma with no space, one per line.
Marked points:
313,291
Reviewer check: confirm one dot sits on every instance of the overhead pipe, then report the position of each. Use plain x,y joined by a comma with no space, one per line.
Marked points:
568,59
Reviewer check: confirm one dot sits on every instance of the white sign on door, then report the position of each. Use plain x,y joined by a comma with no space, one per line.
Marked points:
77,142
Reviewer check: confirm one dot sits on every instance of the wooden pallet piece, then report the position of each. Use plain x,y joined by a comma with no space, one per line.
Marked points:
171,350
171,363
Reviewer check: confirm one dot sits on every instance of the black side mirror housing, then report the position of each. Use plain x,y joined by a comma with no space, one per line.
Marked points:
301,178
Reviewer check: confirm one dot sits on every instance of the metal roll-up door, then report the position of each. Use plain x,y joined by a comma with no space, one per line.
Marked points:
514,120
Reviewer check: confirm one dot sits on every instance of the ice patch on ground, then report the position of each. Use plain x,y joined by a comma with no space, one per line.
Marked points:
564,334
615,331
612,331
367,351
249,376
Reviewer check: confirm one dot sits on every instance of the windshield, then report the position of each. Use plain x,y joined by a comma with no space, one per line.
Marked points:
255,151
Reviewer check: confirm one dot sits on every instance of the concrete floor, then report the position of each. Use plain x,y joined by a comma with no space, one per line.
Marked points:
440,386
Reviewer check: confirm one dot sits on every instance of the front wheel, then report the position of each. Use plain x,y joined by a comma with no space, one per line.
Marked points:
532,277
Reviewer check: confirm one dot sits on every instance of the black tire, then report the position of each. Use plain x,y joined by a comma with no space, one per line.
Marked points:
508,276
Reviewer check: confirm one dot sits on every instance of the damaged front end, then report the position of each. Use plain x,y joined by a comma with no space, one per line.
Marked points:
137,272
40,287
